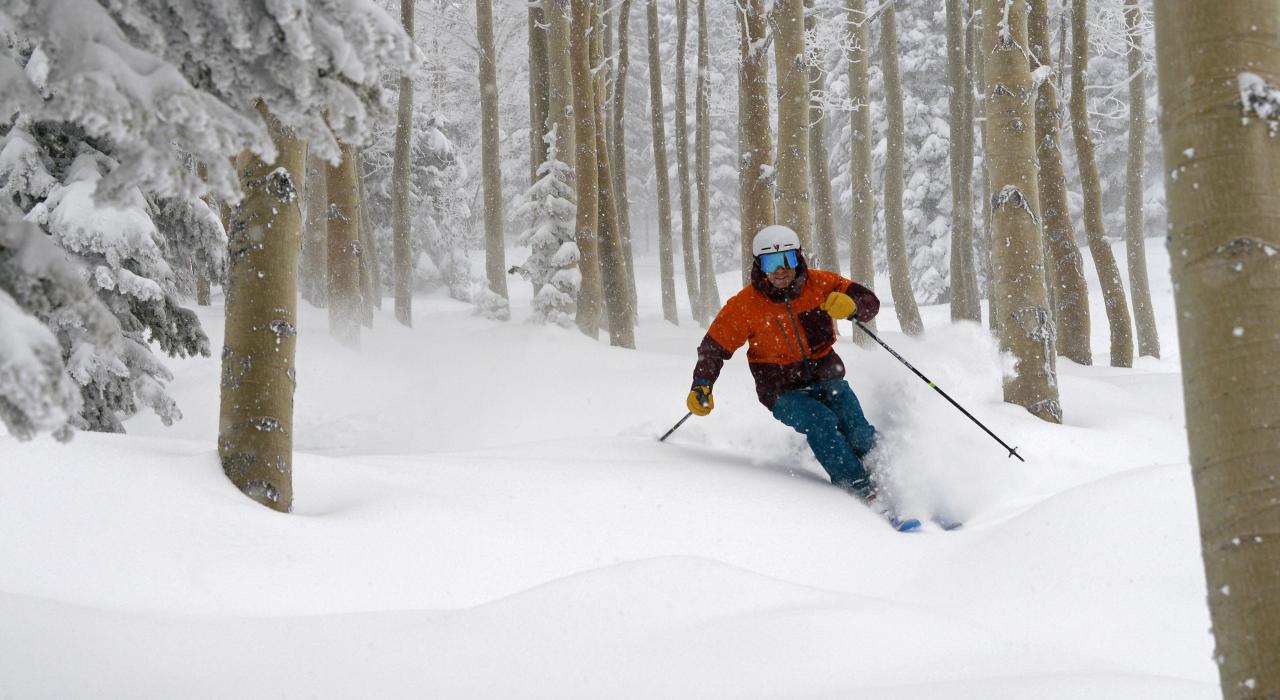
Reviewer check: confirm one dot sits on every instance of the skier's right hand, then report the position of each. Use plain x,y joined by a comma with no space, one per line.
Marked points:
700,401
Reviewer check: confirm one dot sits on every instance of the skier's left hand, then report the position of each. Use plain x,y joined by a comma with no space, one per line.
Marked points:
840,306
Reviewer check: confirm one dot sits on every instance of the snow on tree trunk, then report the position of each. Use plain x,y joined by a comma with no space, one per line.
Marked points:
687,243
1218,105
344,249
1069,293
756,159
255,426
495,260
904,299
590,297
710,293
861,249
1114,301
401,232
791,189
368,247
964,280
666,255
1134,228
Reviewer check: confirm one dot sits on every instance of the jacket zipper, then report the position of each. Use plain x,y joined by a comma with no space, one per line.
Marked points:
808,369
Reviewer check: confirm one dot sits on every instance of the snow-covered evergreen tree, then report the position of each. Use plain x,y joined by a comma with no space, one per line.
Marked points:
552,266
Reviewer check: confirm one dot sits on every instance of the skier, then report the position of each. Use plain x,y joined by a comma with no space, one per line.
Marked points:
787,317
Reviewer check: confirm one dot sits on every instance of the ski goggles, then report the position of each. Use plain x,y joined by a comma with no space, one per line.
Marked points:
789,259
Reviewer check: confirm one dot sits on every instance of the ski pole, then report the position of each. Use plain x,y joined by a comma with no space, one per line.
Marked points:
702,400
1013,451
677,425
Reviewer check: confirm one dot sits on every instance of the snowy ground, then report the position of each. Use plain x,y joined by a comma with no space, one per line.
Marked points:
483,510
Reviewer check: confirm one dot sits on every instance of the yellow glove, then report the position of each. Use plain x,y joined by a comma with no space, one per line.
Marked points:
840,306
700,402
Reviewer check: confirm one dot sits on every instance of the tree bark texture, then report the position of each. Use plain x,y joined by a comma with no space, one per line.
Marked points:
1070,293
539,79
1222,166
344,249
791,189
707,288
401,247
619,147
687,242
1114,301
984,234
1144,318
826,254
495,254
755,120
861,248
315,232
1025,326
560,97
666,256
904,299
590,297
964,279
369,244
613,266
255,423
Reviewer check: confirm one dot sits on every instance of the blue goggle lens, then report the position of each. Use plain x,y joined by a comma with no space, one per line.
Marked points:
772,261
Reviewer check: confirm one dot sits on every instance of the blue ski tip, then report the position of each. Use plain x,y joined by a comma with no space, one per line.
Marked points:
907,525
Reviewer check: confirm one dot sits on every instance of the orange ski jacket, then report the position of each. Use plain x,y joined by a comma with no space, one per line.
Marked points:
790,338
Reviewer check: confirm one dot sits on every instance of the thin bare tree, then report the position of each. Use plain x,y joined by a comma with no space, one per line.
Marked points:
755,158
401,246
1134,227
964,280
665,254
904,298
791,189
708,291
861,249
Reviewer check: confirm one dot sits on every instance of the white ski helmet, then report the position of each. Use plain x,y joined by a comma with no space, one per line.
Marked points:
774,238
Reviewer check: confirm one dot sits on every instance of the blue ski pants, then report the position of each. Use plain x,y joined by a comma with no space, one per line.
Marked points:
829,415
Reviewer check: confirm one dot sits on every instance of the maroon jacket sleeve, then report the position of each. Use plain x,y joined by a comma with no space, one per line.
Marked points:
867,301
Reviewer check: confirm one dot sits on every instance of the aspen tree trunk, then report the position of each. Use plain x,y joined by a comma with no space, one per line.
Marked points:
904,299
255,423
344,249
315,234
560,96
613,267
590,293
964,280
1134,229
362,257
369,243
791,189
755,195
986,232
1025,327
203,287
826,254
666,256
495,258
539,79
1070,294
401,247
1108,272
619,153
710,293
861,249
1220,157
687,243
